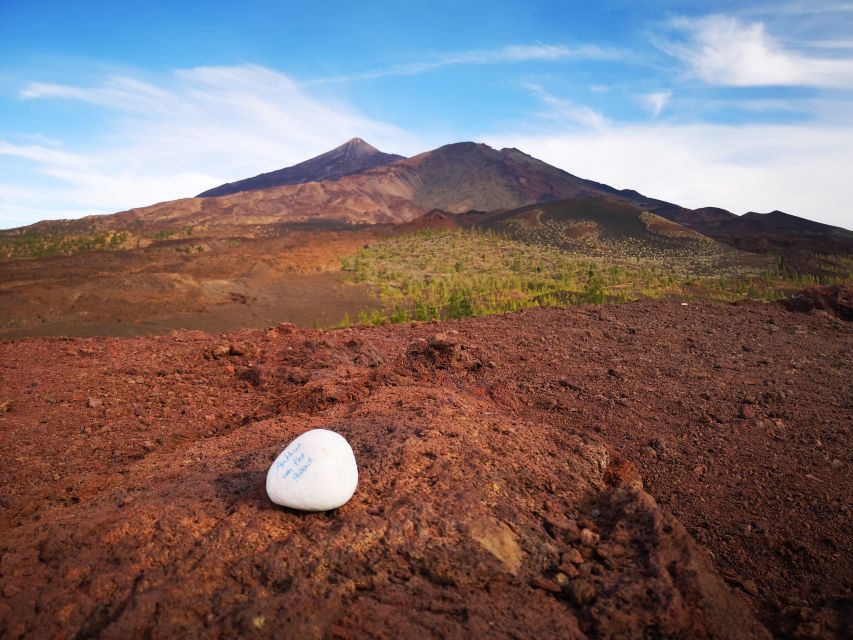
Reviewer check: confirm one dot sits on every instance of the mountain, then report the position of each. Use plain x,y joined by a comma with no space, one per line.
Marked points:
464,176
355,184
351,157
435,220
696,219
709,215
455,178
780,233
610,228
779,230
591,222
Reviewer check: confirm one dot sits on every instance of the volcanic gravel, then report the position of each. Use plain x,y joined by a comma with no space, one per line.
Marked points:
538,474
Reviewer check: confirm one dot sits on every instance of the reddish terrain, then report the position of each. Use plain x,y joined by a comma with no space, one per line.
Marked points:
499,494
294,275
351,157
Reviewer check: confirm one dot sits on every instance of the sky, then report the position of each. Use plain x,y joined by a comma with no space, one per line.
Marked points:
110,105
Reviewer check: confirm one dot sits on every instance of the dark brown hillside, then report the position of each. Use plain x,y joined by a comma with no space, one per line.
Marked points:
796,239
587,217
803,246
693,218
351,157
435,220
465,176
709,215
781,232
611,228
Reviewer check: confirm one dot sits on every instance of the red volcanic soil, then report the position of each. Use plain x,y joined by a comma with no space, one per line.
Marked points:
836,299
433,220
294,276
502,465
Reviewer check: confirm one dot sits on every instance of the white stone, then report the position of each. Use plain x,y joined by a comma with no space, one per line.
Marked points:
315,472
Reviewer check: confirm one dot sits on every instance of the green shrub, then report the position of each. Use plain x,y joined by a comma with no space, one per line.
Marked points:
455,274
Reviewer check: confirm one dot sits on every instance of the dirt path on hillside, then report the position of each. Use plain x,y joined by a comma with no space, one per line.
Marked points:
499,491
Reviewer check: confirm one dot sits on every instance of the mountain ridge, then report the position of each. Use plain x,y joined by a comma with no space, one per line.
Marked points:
456,178
354,156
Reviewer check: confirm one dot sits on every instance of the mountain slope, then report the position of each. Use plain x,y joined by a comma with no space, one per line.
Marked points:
778,231
351,157
802,246
610,228
464,176
593,220
455,178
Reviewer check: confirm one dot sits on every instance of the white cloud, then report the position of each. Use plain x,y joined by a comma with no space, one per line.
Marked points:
508,54
41,154
524,52
20,206
723,50
185,133
655,102
838,43
178,135
800,169
566,111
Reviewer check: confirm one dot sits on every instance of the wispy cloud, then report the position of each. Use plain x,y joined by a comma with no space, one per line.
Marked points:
797,8
566,111
182,133
655,101
509,54
725,51
20,206
838,43
43,155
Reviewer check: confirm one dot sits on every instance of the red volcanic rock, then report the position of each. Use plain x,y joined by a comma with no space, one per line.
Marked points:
432,220
836,299
483,508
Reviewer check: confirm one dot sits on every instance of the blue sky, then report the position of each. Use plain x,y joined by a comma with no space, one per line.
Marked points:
106,105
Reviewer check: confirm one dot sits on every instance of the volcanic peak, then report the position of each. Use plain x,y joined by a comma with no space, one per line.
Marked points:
354,156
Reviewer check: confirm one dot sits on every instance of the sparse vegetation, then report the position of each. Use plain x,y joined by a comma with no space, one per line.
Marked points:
189,248
73,237
37,245
454,274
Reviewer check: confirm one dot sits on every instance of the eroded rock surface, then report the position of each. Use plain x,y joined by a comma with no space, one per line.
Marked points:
494,501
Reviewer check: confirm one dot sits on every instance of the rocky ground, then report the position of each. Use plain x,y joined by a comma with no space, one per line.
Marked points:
643,470
231,284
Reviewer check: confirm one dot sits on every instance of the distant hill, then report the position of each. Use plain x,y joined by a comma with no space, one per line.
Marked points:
356,184
464,176
436,220
802,242
591,221
455,178
607,227
780,232
351,157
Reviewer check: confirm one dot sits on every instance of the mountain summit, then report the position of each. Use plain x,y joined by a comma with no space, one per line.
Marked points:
357,184
354,156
